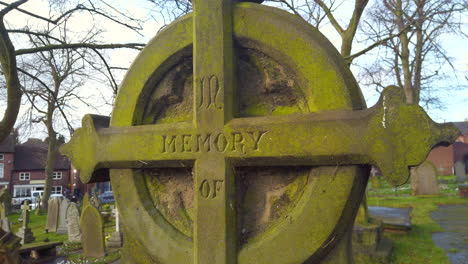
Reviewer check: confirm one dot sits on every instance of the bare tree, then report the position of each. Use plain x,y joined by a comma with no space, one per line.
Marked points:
51,80
414,60
60,11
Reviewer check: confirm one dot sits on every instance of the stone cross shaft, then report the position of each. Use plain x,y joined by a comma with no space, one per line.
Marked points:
390,135
25,207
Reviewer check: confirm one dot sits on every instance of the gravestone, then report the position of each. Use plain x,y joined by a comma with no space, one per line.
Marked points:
25,233
53,214
62,226
39,205
424,179
240,136
5,203
92,232
460,172
94,201
116,239
5,224
73,223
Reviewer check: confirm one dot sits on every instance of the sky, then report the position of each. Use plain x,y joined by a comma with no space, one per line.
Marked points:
456,102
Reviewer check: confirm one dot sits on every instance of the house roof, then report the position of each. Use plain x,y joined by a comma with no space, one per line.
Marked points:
463,126
32,155
8,144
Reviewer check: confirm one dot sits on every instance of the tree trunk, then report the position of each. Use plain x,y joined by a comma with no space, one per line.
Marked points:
8,67
52,145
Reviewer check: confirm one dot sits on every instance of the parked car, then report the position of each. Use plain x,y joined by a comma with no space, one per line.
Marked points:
106,197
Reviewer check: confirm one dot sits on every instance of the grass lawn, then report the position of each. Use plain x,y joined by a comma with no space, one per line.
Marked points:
72,251
416,246
37,224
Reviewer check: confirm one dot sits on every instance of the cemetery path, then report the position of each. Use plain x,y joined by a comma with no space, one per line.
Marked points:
453,219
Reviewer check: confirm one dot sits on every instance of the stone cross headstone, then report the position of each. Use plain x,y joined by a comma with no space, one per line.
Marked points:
424,179
25,232
92,232
5,203
214,101
460,171
73,223
116,239
53,214
62,224
94,201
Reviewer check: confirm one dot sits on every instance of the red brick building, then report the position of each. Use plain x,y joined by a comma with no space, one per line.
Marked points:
22,169
445,158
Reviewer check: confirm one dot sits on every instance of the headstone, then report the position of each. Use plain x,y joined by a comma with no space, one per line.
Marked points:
73,223
92,232
25,232
116,239
39,205
5,203
94,201
5,224
209,106
53,214
460,171
424,179
62,226
9,245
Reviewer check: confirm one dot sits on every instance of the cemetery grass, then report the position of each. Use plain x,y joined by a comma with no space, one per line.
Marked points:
417,246
72,251
37,224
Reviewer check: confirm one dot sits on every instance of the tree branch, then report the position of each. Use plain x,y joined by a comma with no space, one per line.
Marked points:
137,46
376,44
330,16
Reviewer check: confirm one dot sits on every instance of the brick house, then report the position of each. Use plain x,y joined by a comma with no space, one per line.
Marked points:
23,168
445,158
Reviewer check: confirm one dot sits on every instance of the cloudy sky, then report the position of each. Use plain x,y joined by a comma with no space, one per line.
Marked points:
456,102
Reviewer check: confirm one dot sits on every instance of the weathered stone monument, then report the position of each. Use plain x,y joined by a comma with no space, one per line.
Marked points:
73,223
460,171
92,232
62,223
424,179
5,203
5,224
116,239
230,142
94,201
53,214
25,233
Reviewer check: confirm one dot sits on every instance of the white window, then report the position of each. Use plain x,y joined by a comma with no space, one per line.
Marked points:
1,157
24,176
56,189
22,192
1,170
57,175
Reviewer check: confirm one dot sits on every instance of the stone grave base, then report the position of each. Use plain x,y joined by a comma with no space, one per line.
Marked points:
26,235
369,244
115,241
39,252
